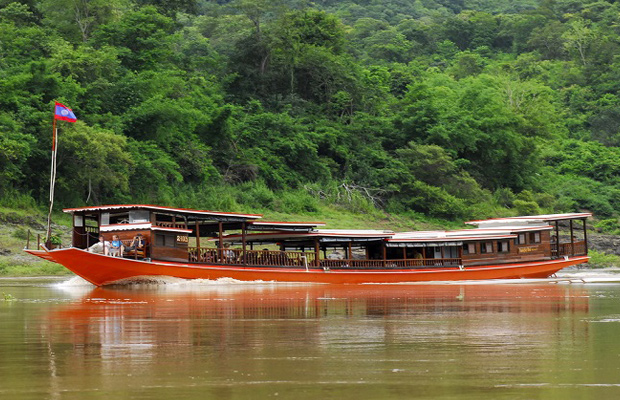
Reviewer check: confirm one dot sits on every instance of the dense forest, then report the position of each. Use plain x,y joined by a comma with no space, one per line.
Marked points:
447,108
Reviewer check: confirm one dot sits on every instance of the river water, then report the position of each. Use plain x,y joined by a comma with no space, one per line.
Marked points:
173,339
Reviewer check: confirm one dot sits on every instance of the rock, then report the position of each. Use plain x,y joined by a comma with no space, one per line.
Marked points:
16,219
609,244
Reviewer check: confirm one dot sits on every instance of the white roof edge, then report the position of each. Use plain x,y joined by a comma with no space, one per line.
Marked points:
286,223
162,228
124,227
452,238
354,232
161,208
530,218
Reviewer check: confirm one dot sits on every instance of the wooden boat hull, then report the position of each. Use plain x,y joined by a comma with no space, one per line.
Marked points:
104,270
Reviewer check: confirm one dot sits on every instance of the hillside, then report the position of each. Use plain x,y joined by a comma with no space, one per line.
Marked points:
435,109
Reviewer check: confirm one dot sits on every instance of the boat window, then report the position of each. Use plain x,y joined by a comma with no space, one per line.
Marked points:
486,247
105,219
469,248
534,237
503,246
520,239
137,216
450,252
78,221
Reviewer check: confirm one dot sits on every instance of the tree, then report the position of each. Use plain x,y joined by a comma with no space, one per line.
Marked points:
143,38
15,149
78,18
93,165
579,38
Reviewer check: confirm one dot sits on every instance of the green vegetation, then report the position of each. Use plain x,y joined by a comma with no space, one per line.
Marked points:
602,260
8,297
397,111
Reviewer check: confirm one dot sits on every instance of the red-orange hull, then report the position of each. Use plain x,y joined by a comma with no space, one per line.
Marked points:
102,270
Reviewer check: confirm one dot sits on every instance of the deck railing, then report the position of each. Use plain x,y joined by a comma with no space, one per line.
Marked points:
252,257
168,224
306,259
568,249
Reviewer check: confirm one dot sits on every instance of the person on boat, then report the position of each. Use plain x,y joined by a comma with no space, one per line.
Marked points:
228,254
101,247
136,244
116,247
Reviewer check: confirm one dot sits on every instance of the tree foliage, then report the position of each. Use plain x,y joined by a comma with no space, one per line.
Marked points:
451,108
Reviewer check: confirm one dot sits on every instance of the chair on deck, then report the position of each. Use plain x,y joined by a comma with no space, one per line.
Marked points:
132,248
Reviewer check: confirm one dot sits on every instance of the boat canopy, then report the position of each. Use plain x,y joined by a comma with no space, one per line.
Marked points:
528,220
283,226
189,214
308,238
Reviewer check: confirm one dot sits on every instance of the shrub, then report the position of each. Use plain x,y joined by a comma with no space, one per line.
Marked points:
298,201
603,260
21,233
609,226
526,207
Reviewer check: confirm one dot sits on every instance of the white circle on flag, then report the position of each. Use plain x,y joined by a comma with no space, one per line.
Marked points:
64,112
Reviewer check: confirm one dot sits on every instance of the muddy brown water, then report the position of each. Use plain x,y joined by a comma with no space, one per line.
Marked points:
173,339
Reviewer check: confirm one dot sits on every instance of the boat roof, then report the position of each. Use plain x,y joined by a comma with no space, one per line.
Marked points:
283,226
324,235
140,227
194,214
528,219
411,237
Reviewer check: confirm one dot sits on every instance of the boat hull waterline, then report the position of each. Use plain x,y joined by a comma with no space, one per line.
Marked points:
104,270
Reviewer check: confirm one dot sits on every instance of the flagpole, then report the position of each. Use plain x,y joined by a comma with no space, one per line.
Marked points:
52,183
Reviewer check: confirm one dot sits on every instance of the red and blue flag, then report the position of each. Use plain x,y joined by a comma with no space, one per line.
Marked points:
64,113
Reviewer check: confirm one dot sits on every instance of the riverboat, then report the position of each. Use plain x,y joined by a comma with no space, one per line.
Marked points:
200,244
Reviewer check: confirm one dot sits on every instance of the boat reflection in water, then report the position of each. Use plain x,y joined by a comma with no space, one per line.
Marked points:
147,321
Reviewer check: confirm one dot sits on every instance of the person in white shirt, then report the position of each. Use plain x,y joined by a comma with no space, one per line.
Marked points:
101,247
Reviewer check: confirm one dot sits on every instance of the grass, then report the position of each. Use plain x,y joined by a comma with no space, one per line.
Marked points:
36,267
14,226
603,260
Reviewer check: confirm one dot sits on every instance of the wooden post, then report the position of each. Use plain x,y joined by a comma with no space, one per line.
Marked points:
198,258
317,253
557,238
220,244
384,250
85,228
28,240
243,233
585,236
572,239
350,252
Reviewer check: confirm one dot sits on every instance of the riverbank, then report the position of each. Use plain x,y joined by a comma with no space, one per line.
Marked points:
14,227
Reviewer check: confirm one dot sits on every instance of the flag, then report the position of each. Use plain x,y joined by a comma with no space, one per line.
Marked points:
64,113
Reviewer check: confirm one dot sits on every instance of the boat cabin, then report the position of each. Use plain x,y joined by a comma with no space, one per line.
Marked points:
166,230
219,238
